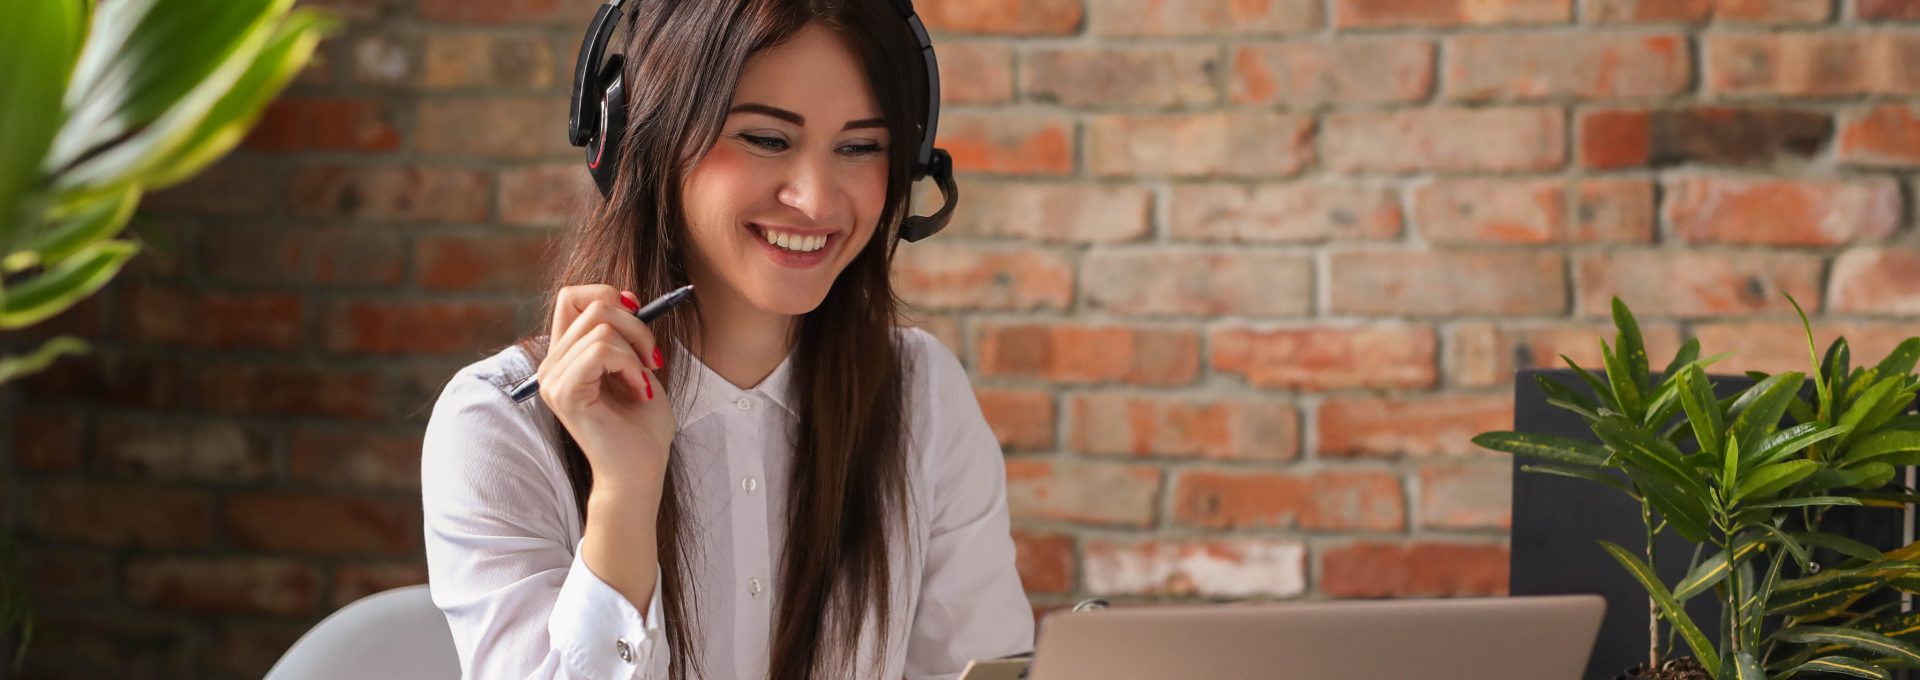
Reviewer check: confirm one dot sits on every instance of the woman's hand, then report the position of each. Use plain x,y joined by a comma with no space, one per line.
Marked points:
597,378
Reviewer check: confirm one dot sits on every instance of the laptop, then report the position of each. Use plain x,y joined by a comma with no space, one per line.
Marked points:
1485,638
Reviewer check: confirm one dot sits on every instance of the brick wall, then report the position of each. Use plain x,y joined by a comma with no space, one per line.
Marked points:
1235,281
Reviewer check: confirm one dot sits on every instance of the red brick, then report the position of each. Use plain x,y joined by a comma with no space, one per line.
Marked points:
1045,561
1613,211
1007,17
1886,135
511,127
549,194
250,648
250,256
1474,494
1349,71
237,585
208,319
1284,212
1160,281
935,276
1775,346
234,186
325,124
322,524
48,440
1886,9
507,11
1399,283
1877,281
944,327
486,60
1325,500
291,389
119,515
1088,353
1491,210
106,376
1052,212
1693,284
975,72
87,318
59,575
1088,493
1785,212
1208,18
383,59
1812,64
1490,139
1696,11
1437,425
203,450
1535,65
353,10
497,262
1386,13
1718,135
351,582
1170,76
1422,569
1482,355
1008,143
1021,419
1326,358
1184,427
411,193
72,642
1230,567
356,457
399,327
1212,144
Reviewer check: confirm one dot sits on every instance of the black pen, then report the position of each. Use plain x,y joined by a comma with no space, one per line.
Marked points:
647,313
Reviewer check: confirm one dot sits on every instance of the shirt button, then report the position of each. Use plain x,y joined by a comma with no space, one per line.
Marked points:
753,586
749,484
744,403
625,650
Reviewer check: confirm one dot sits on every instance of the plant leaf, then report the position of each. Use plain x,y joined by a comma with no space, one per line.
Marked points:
1703,412
1819,384
1842,665
1857,412
1793,439
16,367
1806,501
1670,608
1600,389
1901,361
1587,473
1772,479
38,43
1545,446
56,289
1631,348
1626,389
1882,443
1710,572
1865,641
1746,668
1759,410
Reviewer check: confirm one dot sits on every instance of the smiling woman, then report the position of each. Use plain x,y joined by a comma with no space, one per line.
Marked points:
799,487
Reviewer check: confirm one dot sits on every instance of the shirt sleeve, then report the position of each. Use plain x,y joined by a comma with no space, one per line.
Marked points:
972,605
520,603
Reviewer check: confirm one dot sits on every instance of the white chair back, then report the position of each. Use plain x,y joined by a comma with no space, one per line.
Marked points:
395,634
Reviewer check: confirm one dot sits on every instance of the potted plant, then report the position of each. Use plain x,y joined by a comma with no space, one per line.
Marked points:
99,107
1749,479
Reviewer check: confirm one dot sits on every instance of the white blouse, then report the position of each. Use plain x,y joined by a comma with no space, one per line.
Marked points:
503,533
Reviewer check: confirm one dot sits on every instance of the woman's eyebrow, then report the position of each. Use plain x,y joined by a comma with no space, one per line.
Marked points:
800,120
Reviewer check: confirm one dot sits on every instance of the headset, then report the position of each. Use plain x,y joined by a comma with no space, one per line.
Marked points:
598,114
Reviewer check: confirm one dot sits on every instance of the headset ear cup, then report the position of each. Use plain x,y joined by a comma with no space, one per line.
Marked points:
603,150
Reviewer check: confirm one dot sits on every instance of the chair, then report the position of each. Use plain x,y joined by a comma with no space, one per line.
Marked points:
394,634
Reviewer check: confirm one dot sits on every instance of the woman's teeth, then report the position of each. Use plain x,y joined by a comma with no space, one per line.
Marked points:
793,242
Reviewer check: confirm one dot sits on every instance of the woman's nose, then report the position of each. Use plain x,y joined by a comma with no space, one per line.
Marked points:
811,186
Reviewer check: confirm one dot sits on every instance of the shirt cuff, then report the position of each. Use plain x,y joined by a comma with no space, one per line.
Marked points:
598,631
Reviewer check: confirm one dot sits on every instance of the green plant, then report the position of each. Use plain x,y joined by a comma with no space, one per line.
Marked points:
97,106
1725,474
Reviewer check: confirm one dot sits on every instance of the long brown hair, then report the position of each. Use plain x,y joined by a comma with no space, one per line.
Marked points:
848,482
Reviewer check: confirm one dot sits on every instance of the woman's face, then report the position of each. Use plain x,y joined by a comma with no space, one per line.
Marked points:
802,155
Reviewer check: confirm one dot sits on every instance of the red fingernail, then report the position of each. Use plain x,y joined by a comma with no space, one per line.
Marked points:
629,301
658,362
649,382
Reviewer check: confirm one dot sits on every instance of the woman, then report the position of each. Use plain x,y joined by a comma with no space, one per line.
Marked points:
774,480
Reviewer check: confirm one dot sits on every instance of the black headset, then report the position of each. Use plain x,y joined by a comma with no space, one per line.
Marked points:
598,114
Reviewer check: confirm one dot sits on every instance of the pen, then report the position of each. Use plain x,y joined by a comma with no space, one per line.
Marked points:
647,313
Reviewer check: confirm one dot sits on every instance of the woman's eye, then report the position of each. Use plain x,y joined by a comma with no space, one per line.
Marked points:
768,143
863,149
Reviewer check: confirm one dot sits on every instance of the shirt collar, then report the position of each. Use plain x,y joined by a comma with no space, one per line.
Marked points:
701,391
